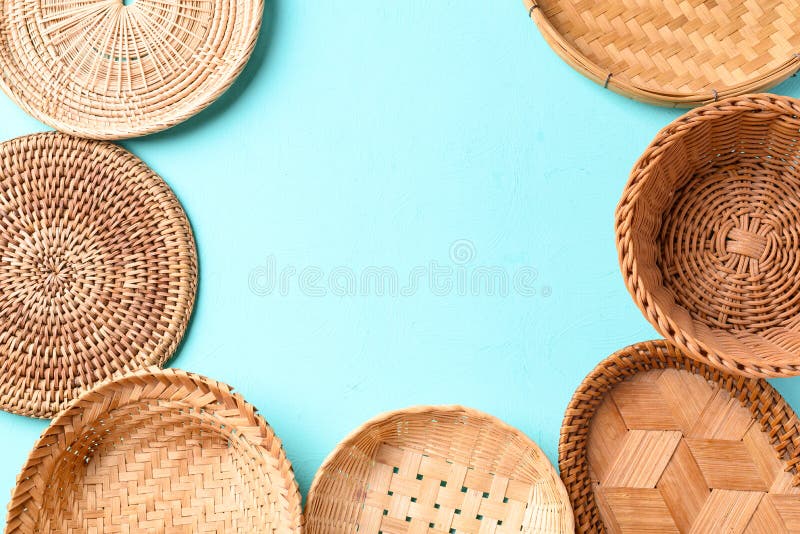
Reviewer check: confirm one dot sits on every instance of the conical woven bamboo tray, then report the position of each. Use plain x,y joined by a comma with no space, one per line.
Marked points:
157,451
708,232
680,53
107,70
437,470
654,441
98,269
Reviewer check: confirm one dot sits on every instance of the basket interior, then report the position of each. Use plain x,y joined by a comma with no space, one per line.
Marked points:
159,466
438,472
716,234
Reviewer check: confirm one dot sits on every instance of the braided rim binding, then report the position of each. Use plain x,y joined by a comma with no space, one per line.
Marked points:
195,399
683,135
767,407
448,434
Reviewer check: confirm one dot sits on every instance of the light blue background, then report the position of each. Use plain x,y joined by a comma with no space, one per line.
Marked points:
379,133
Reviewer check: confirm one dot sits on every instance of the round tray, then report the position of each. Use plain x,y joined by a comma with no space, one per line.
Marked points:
708,232
656,441
98,269
437,469
107,70
157,451
682,53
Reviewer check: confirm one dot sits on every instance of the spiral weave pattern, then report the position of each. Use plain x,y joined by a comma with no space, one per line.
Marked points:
98,269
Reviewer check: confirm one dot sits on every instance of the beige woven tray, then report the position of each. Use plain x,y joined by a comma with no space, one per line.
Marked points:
654,441
437,470
157,451
106,70
98,269
708,232
679,53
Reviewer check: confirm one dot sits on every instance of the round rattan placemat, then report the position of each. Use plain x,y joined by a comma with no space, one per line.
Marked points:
654,441
157,451
98,269
437,469
676,53
107,70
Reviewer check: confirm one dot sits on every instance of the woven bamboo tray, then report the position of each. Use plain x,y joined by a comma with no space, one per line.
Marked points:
157,451
654,441
708,232
437,470
98,269
106,70
682,53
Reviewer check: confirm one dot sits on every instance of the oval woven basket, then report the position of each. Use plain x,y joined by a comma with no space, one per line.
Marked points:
107,70
680,54
708,233
157,451
437,469
98,269
655,441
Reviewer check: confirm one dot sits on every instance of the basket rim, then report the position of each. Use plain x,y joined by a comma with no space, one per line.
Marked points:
188,287
290,488
353,436
652,311
139,128
654,355
590,69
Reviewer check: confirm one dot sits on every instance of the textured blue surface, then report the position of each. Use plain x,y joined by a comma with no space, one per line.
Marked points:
376,138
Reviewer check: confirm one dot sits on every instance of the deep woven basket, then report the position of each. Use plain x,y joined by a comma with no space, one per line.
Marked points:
437,469
655,441
682,53
157,451
98,269
708,233
106,70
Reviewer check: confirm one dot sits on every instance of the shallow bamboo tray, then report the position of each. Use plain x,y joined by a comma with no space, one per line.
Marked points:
98,269
654,441
681,53
157,451
437,470
708,233
106,70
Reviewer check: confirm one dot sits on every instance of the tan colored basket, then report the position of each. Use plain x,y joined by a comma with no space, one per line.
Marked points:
157,451
105,70
680,53
708,232
437,470
654,441
98,269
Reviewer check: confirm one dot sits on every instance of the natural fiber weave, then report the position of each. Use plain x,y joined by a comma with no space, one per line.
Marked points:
654,441
98,269
678,53
708,232
157,451
106,70
437,470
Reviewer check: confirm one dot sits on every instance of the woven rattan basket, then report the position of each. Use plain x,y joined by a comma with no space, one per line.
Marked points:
98,269
108,70
654,441
708,232
157,451
679,53
437,470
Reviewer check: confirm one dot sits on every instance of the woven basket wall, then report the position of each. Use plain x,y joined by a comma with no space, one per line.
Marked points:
157,451
106,70
682,53
708,233
654,441
437,470
98,269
